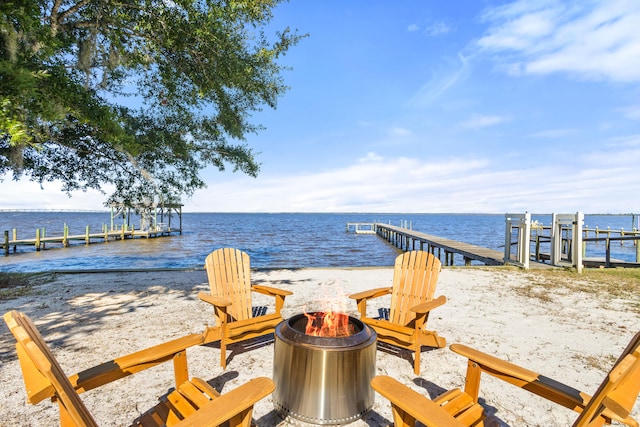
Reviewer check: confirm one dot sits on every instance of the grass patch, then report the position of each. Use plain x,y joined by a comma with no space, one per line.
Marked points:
617,282
14,285
603,363
623,283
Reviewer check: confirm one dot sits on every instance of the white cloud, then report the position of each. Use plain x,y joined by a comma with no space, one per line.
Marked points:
615,160
370,157
623,141
458,184
26,194
553,133
400,131
596,40
440,83
437,28
482,121
375,183
432,29
631,112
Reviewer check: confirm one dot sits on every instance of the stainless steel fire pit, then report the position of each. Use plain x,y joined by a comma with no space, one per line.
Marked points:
323,380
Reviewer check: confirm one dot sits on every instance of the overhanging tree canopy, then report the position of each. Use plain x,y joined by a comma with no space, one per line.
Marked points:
140,94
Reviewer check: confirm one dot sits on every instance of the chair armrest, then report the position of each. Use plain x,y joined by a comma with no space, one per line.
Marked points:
279,295
411,405
531,381
426,307
493,364
219,302
231,404
135,362
268,290
362,297
371,293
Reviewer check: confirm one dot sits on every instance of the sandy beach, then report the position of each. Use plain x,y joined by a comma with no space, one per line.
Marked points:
572,334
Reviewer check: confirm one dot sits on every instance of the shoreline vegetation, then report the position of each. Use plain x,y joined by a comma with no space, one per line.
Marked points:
14,285
565,325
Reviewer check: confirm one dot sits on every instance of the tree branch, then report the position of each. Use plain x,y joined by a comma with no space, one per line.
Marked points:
72,9
54,16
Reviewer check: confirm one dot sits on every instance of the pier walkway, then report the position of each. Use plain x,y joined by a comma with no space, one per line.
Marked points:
152,224
40,242
567,249
407,239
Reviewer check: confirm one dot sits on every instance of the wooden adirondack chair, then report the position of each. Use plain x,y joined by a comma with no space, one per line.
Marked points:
613,400
415,277
229,274
193,403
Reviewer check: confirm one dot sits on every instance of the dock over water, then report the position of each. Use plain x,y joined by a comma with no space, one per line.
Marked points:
40,242
568,244
152,224
361,227
407,239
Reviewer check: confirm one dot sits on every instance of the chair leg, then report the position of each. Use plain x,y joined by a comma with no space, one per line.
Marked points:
402,418
223,354
472,380
180,368
416,360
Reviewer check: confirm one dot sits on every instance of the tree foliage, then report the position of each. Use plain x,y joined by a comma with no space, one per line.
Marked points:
135,95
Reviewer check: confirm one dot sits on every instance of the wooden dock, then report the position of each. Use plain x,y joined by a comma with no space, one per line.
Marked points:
361,227
40,241
152,224
444,249
407,239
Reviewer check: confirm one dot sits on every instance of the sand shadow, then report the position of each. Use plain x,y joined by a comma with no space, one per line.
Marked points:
269,419
267,272
274,418
220,381
83,316
374,419
402,353
217,383
236,349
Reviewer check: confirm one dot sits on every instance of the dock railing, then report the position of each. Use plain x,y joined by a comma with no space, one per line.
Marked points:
541,240
518,225
563,244
361,227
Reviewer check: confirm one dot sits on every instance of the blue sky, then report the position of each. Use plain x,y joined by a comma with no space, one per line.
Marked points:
425,106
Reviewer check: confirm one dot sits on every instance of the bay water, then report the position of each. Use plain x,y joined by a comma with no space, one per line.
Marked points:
273,240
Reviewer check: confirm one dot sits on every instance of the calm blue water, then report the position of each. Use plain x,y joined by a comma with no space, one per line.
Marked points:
272,240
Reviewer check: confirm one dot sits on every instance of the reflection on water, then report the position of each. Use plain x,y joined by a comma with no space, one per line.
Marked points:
272,240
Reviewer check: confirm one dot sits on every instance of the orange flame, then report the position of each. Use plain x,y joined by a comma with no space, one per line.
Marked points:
328,324
331,320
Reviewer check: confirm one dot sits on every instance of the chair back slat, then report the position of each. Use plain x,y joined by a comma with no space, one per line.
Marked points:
414,281
619,390
229,274
34,353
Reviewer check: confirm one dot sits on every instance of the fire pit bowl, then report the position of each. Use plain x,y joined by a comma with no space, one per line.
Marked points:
323,380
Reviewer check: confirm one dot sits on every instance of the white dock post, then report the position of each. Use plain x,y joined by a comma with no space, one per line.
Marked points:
523,223
574,224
